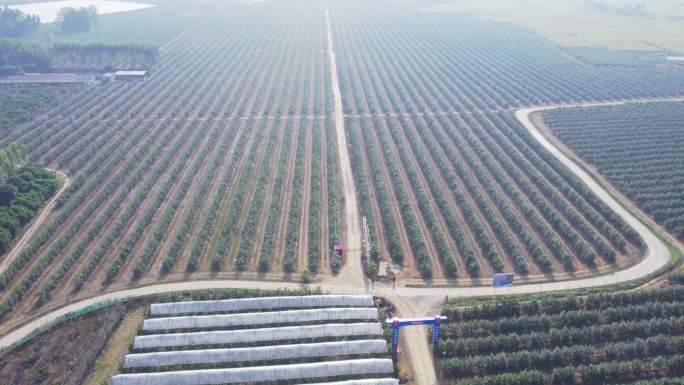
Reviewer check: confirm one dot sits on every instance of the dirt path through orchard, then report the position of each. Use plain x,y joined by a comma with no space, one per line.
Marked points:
352,271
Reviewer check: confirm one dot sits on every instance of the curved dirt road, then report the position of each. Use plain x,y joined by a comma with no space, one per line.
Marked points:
36,222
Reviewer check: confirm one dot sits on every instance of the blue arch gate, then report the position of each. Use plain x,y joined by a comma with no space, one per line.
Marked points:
398,323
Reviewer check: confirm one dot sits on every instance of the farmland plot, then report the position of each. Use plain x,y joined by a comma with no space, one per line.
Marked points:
223,162
638,147
456,63
467,196
220,164
630,337
455,187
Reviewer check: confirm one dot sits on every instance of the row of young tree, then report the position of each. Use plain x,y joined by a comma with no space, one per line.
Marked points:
436,65
569,335
637,146
529,209
618,372
558,357
106,48
553,305
22,103
570,318
536,213
115,141
591,340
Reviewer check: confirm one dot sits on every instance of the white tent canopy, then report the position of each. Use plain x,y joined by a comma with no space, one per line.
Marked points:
255,319
261,353
370,366
245,304
256,335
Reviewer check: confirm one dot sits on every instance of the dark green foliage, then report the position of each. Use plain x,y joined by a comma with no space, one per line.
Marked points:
20,197
21,103
7,194
84,49
103,56
14,23
76,20
677,278
5,239
18,56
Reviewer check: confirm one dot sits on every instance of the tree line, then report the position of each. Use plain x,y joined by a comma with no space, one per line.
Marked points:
18,56
14,23
75,20
150,52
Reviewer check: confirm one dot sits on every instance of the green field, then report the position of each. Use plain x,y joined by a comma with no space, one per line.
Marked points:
614,24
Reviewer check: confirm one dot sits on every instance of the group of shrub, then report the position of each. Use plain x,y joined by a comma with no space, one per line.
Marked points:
21,196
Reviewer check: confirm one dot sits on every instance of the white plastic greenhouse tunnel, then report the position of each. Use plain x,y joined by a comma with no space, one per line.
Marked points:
246,304
260,353
254,319
372,366
375,381
289,333
311,338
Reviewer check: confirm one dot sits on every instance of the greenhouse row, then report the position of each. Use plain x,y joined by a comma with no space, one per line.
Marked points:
290,333
246,304
328,340
371,366
261,353
266,318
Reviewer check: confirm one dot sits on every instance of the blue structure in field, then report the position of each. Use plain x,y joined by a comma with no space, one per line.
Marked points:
396,324
503,280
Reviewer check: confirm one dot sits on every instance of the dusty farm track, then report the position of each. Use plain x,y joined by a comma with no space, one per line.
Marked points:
351,272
